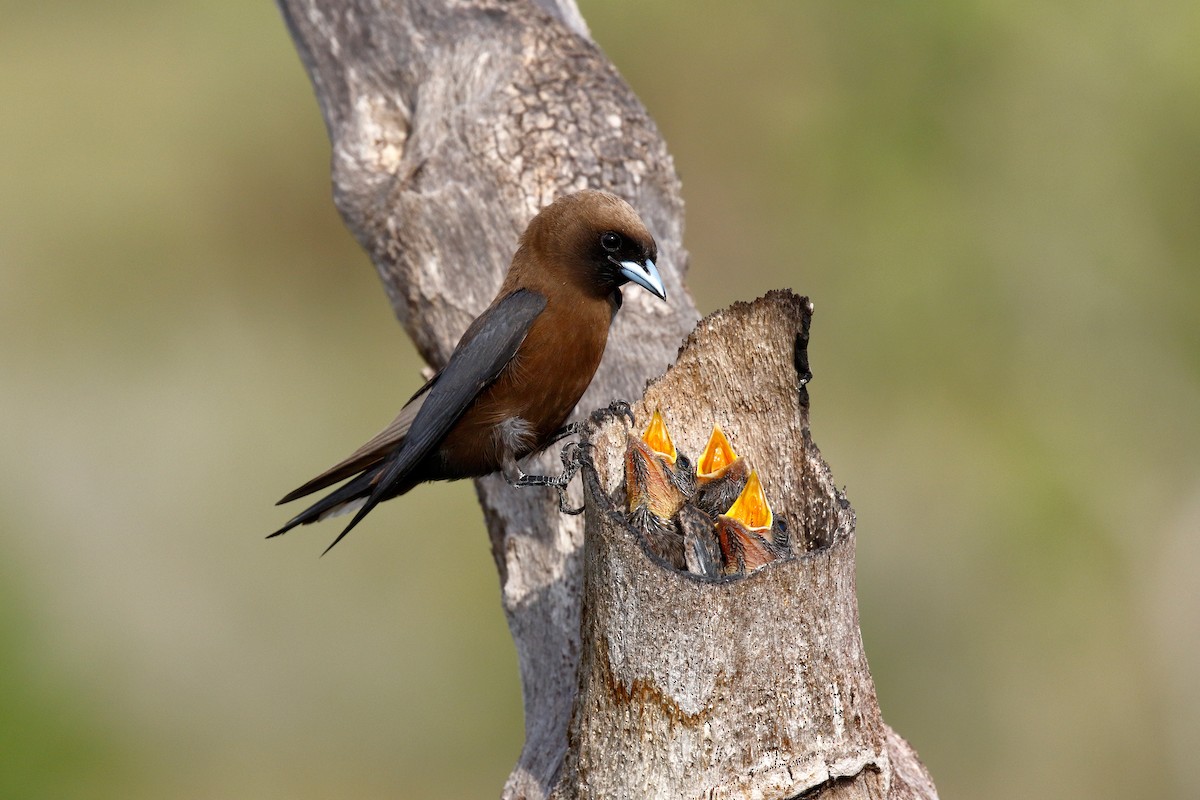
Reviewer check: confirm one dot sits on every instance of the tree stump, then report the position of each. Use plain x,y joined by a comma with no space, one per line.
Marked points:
740,687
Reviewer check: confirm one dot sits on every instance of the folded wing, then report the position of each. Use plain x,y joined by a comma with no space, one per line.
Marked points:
388,459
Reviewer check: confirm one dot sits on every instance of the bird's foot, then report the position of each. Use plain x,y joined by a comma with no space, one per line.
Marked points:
570,429
573,457
572,460
617,408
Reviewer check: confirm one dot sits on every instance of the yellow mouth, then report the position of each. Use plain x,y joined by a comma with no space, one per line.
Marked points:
751,508
657,438
718,454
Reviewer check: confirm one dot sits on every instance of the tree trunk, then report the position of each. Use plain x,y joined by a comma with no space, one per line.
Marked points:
451,124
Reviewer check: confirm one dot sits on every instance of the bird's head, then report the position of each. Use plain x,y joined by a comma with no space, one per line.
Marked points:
596,241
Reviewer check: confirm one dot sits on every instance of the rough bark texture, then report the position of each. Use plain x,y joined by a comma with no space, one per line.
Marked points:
451,124
754,686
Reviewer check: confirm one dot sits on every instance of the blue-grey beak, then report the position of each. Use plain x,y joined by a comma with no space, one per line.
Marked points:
644,275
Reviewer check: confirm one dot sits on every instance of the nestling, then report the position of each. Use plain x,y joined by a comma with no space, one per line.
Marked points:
658,480
748,533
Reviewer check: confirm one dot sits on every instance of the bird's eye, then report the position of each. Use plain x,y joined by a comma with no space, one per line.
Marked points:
610,241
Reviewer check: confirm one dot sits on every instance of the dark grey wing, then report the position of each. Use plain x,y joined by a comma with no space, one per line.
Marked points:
371,453
482,354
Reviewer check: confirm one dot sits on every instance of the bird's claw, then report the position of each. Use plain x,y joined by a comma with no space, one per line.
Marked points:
570,429
572,461
566,509
617,408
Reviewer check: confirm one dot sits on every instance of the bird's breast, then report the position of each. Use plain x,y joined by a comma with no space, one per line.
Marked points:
555,365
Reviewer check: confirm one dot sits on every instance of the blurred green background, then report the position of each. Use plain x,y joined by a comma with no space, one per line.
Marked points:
994,205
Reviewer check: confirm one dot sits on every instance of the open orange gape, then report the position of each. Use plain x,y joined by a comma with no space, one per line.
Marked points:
713,520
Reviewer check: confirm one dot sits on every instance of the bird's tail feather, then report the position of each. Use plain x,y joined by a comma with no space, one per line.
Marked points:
339,501
379,485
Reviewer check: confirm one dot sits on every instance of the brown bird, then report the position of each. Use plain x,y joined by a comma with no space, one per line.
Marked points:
658,479
749,534
519,369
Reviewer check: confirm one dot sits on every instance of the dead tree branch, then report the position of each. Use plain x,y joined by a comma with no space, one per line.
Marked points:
451,124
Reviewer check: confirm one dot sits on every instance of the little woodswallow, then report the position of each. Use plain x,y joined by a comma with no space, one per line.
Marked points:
519,369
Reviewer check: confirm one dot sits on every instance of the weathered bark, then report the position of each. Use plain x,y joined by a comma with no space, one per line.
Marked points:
451,124
753,686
